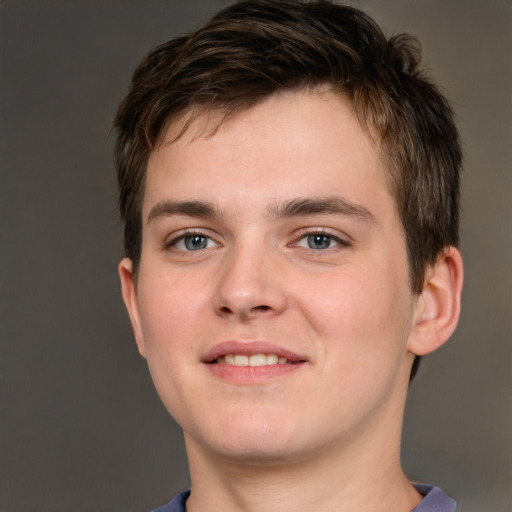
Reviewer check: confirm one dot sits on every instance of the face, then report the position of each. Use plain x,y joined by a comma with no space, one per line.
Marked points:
272,300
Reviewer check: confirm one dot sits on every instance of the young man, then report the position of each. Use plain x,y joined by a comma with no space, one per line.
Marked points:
289,186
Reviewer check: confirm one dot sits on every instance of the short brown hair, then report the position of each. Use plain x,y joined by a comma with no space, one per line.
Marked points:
256,48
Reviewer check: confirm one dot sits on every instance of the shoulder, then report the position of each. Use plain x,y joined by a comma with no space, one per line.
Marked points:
177,504
434,500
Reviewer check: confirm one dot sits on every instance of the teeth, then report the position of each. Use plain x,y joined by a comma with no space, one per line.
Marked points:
241,360
258,360
254,360
273,359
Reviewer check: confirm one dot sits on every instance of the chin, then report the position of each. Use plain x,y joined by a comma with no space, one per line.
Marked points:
253,453
256,443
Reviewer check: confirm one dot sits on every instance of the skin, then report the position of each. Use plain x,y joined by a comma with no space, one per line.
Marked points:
323,433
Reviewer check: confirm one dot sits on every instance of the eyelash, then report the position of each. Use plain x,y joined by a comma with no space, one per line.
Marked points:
183,236
322,233
304,235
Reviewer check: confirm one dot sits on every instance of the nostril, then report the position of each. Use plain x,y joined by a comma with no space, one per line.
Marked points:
260,308
225,310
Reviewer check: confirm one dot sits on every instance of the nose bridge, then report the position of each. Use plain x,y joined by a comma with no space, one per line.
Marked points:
247,283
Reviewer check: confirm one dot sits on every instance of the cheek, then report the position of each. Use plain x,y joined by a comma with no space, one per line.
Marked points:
169,305
362,326
171,316
360,316
170,326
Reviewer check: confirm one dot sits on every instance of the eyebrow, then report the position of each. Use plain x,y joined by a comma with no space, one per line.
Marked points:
293,208
319,206
168,208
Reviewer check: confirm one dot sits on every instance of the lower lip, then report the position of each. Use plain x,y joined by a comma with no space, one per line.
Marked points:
252,374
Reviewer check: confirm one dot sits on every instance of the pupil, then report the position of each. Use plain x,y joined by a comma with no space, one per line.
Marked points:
195,242
319,241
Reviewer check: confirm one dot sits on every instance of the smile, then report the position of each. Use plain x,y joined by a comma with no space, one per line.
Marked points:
252,360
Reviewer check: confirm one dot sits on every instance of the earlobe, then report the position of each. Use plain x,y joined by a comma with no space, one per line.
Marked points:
129,292
438,307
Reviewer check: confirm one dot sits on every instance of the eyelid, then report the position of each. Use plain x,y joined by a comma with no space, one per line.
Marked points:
341,238
172,239
333,233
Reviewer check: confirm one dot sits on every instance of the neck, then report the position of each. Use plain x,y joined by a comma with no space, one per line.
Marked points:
362,473
301,488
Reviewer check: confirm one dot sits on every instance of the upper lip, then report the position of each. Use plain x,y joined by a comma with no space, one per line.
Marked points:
249,348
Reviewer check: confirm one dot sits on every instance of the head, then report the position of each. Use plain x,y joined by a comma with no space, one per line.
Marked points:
255,49
289,188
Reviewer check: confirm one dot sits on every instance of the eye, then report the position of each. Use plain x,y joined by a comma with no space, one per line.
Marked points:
194,242
320,241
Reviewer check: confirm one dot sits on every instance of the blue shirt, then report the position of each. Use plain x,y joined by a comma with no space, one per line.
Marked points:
435,500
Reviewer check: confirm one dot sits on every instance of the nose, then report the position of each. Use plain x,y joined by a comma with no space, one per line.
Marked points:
249,284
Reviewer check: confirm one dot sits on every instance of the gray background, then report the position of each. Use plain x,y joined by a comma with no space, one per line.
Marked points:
81,428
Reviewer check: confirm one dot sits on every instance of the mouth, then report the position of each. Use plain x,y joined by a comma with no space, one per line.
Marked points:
253,360
244,361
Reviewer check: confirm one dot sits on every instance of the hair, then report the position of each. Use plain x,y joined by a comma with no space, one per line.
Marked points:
257,48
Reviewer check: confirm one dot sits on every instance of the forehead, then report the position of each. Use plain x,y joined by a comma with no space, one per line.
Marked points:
198,121
310,138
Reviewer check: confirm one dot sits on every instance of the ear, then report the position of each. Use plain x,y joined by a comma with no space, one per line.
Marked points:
129,291
438,307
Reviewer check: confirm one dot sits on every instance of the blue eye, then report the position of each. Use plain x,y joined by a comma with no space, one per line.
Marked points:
194,243
320,241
